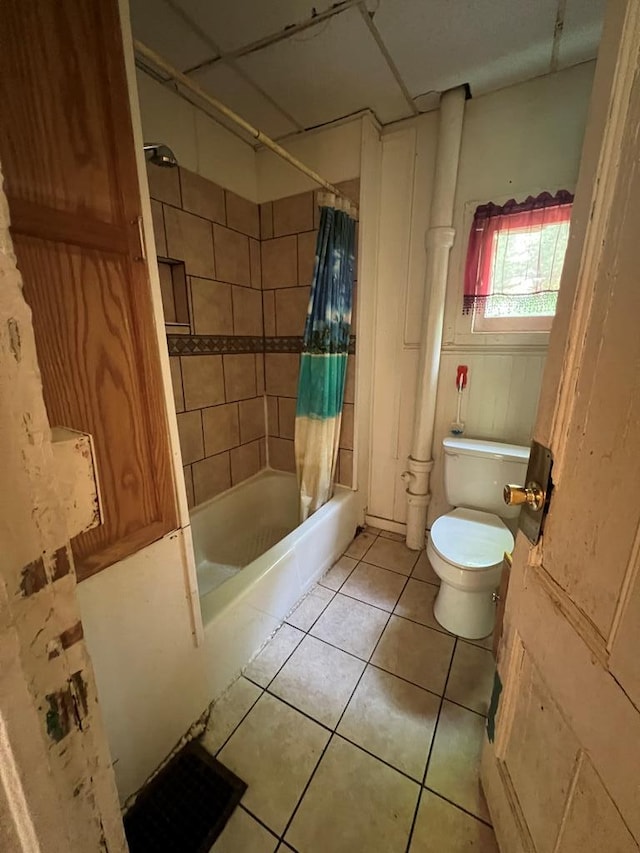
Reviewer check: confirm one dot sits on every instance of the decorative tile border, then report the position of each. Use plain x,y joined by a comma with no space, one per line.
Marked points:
214,344
229,344
294,344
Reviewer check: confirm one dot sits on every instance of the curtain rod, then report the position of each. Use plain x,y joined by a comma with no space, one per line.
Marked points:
161,63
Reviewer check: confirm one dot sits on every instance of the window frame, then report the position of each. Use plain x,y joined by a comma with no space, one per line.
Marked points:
479,324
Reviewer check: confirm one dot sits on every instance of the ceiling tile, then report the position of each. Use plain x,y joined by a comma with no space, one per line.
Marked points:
235,24
328,72
160,28
224,83
486,43
582,31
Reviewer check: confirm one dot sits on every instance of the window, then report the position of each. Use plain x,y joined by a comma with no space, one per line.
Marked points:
514,263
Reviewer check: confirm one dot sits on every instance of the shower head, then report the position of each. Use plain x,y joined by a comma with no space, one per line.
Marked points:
159,154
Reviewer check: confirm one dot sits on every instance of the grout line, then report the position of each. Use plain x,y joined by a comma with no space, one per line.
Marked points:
257,820
180,188
431,745
408,681
458,806
211,222
306,788
302,796
334,733
390,612
240,722
299,711
377,758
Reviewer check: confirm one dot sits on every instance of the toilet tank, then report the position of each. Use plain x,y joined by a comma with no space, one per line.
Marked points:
475,473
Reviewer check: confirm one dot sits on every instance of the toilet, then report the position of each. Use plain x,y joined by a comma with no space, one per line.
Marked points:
466,546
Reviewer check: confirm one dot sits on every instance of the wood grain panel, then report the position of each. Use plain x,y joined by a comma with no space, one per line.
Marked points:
91,361
66,145
56,54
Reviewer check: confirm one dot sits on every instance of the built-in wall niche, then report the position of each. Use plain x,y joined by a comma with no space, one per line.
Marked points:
175,302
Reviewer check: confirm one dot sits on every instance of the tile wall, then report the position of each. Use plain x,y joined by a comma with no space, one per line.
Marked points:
217,362
247,274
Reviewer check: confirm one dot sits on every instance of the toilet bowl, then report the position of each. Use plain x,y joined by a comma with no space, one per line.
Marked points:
467,545
465,548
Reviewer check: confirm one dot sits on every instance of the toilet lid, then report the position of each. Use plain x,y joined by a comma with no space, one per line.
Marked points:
471,539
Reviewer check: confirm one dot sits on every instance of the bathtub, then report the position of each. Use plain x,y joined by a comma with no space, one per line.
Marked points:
254,562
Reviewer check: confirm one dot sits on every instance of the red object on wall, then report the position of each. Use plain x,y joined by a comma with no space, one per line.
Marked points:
461,376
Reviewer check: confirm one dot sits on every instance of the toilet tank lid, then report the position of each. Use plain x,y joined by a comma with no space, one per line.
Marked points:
478,447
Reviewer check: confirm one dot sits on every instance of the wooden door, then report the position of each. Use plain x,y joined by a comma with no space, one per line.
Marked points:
561,765
66,145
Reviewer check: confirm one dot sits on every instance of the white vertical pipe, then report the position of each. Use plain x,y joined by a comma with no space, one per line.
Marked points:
439,239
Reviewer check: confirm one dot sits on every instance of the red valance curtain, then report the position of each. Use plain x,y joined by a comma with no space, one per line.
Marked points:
508,257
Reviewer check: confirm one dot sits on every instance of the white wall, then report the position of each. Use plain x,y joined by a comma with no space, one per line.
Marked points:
199,142
150,675
204,146
518,141
334,152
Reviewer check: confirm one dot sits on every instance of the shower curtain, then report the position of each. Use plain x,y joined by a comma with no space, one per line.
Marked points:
325,351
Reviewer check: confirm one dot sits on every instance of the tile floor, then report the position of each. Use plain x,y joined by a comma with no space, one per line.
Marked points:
359,726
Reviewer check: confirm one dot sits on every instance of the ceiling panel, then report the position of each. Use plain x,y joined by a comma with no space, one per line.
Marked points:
234,23
582,31
328,72
160,28
228,86
487,43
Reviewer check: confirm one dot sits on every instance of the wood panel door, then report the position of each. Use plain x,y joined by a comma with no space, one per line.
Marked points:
561,765
66,145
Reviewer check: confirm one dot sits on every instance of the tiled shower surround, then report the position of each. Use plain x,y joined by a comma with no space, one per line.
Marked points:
235,311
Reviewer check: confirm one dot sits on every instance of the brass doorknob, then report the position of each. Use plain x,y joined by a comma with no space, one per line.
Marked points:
532,494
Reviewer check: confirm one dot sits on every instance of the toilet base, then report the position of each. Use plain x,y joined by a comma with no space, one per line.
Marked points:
469,614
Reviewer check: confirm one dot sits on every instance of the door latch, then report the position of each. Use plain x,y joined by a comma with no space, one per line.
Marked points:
535,496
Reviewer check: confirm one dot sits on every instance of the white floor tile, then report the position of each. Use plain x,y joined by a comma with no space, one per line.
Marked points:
454,768
442,828
374,585
485,642
310,608
416,603
392,719
274,751
318,679
415,652
471,678
351,625
338,573
354,804
242,832
360,545
392,555
227,713
266,665
389,534
423,570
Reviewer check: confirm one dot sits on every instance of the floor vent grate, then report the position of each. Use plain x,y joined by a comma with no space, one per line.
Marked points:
185,807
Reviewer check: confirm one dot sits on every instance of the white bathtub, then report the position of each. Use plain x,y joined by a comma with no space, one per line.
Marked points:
254,562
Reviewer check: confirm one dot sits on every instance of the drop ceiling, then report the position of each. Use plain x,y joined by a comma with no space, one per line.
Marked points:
288,65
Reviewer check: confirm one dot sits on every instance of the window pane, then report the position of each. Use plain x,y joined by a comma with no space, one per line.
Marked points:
526,271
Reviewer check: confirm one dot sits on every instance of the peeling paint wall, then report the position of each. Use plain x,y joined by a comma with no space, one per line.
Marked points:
57,789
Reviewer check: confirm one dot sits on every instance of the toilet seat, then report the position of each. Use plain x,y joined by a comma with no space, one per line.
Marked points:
470,539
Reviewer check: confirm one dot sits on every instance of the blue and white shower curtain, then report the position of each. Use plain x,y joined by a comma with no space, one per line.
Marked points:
325,350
